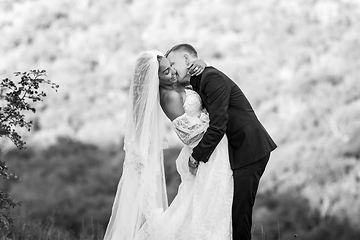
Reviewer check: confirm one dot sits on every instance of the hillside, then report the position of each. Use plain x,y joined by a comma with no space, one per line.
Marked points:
297,62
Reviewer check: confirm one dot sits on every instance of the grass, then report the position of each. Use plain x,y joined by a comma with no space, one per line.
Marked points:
34,230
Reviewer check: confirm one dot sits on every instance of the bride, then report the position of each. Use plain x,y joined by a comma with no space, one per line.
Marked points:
202,207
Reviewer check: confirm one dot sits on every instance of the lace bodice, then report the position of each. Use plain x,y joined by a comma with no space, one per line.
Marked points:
191,126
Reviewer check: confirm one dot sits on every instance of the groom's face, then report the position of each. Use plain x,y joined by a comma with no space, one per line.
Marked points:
179,61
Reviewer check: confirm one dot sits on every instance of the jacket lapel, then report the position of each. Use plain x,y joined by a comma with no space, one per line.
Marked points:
195,83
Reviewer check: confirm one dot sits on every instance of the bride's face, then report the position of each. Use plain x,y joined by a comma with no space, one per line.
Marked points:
167,75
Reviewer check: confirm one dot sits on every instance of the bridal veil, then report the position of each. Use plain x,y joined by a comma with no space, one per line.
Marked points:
141,191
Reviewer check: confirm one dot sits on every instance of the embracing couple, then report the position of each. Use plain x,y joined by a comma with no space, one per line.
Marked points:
226,150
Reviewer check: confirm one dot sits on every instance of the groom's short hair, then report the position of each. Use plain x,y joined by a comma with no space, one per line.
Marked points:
183,46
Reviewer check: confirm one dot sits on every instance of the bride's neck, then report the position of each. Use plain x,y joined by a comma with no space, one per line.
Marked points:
168,87
173,87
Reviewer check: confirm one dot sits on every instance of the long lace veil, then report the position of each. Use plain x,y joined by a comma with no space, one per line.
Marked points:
141,191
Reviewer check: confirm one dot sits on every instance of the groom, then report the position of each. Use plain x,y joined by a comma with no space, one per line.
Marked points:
231,114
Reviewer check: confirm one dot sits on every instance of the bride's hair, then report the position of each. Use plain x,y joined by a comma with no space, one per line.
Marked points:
159,57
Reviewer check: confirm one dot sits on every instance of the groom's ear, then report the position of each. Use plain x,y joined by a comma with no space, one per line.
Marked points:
187,60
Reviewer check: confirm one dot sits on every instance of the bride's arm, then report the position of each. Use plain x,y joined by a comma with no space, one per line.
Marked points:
172,105
197,67
190,129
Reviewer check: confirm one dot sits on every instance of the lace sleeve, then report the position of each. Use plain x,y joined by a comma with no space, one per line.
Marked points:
190,129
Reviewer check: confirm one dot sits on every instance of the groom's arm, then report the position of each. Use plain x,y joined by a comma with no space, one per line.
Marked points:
218,94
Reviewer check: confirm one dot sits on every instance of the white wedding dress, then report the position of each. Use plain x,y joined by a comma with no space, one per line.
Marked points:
202,208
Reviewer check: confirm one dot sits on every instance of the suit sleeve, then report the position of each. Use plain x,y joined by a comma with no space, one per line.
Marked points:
218,95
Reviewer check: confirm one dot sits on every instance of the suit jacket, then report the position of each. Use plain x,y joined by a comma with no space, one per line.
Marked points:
231,114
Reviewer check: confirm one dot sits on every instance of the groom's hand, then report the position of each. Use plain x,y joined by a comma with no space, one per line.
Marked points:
193,171
193,165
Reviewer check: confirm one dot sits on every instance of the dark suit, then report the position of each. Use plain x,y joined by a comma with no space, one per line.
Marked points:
249,143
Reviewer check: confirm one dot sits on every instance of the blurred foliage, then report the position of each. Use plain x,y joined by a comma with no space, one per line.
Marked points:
69,183
69,179
289,215
45,230
297,61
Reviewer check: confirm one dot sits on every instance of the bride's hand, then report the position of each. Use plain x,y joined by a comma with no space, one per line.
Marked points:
197,67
